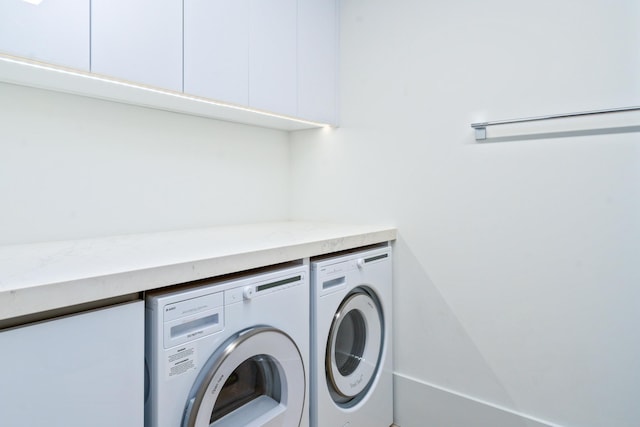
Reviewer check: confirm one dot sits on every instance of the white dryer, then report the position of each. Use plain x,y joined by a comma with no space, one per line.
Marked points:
229,353
351,356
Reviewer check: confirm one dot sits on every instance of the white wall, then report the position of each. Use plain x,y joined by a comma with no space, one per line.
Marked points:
517,274
73,167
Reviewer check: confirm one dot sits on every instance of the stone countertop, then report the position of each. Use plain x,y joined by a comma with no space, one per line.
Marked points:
45,276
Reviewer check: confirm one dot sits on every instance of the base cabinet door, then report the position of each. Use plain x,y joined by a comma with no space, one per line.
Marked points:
80,370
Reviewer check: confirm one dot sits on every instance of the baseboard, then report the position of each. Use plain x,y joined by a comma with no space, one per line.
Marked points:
418,404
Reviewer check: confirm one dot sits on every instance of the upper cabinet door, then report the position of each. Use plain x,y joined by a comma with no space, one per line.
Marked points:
317,60
273,56
56,32
138,40
216,47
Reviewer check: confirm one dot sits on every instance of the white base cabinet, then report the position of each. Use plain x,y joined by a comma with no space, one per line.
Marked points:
80,370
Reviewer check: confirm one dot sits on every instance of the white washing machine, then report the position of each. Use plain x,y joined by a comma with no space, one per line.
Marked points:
229,353
351,355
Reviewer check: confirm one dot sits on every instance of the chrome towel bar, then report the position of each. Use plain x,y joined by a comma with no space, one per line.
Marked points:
481,128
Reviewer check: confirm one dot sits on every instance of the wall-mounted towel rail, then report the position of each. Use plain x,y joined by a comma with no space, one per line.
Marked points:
481,128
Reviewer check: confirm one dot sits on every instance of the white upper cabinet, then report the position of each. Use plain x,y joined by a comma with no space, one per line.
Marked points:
273,55
56,32
243,52
216,46
276,56
138,40
317,60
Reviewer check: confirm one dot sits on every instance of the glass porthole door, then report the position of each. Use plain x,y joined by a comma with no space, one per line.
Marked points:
255,379
354,346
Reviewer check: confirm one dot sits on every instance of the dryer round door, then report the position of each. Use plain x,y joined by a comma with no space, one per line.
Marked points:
256,378
354,347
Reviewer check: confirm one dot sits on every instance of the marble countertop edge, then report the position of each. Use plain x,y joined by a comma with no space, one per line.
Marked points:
40,277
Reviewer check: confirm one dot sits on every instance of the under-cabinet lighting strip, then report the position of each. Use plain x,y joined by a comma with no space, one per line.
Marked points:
151,89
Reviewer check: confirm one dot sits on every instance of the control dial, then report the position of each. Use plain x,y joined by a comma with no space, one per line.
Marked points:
249,292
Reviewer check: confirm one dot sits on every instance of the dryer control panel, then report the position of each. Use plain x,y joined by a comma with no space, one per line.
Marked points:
332,274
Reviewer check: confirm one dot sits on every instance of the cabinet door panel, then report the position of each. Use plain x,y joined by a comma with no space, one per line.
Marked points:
216,46
317,60
272,55
138,40
56,32
76,371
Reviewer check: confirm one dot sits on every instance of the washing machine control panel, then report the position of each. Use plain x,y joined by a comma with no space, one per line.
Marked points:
193,318
338,268
251,291
192,306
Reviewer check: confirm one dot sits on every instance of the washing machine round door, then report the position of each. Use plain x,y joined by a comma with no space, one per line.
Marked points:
354,346
256,378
